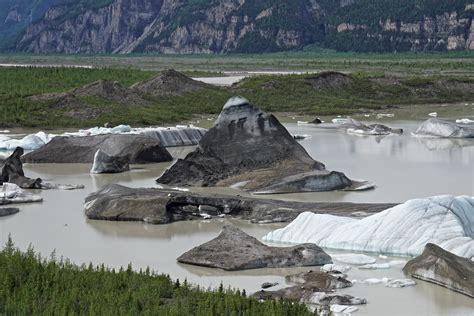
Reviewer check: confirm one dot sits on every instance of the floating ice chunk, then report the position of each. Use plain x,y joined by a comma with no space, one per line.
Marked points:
66,187
339,120
205,215
330,267
29,142
433,114
374,266
376,281
344,309
383,257
438,128
464,121
399,283
12,193
397,262
405,229
354,259
382,115
302,123
5,131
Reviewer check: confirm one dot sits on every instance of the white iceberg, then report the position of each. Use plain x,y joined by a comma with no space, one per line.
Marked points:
399,283
464,121
29,142
14,194
405,229
330,267
375,266
433,114
438,128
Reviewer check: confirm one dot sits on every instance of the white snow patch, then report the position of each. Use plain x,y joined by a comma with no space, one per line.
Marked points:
405,229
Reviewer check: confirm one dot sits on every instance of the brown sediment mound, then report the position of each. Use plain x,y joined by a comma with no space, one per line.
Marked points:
169,83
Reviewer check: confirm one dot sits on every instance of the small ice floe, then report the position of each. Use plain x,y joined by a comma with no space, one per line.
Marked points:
357,259
331,267
301,136
67,187
360,214
5,131
385,115
302,123
383,257
372,281
433,114
340,120
400,283
375,266
464,121
397,262
366,115
343,309
205,215
180,189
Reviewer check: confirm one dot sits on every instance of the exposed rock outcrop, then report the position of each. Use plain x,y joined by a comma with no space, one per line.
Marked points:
169,82
104,163
235,250
165,26
444,268
141,149
252,149
434,127
161,206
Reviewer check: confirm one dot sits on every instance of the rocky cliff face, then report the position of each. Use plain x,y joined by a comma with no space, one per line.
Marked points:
214,26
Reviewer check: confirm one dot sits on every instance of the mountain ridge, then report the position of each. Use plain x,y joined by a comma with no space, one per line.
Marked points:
243,26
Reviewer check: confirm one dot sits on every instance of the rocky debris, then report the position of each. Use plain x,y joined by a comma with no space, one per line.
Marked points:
444,268
355,127
141,149
313,287
104,163
445,220
234,250
8,211
434,127
251,147
169,83
12,172
161,206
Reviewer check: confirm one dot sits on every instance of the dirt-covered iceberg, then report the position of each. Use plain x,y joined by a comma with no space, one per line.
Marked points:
405,229
253,150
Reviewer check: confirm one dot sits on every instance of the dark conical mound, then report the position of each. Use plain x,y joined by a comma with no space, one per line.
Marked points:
169,82
109,90
252,148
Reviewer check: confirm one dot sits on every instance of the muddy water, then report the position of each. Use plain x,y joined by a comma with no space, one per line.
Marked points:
402,167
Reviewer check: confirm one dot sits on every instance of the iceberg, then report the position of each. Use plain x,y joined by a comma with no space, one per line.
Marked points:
168,136
438,128
11,193
29,142
405,229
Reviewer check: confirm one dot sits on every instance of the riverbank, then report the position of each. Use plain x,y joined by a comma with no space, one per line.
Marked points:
78,97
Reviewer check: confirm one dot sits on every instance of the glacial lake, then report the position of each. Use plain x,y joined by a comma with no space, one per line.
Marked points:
402,167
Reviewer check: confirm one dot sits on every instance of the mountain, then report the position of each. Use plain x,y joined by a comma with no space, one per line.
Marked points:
244,26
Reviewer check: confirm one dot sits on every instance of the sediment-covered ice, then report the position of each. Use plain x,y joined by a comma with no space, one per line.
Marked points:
180,135
405,229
